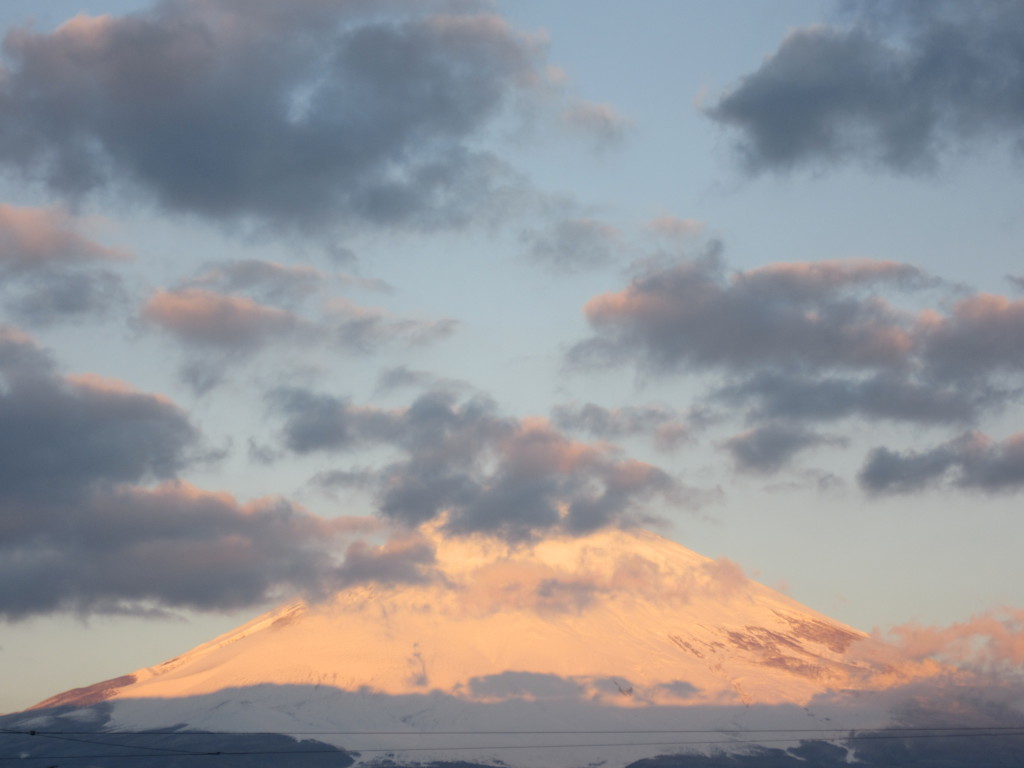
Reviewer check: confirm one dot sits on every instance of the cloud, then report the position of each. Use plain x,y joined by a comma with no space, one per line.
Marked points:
524,685
768,448
981,333
52,295
214,320
401,376
279,284
991,641
675,228
606,127
319,422
478,471
34,237
83,529
268,281
885,395
517,581
356,115
669,428
364,283
814,341
127,548
360,328
902,88
972,461
512,584
61,435
217,328
723,577
49,266
789,345
804,314
401,560
572,245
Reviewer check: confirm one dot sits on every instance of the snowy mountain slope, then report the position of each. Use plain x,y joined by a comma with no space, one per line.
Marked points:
617,631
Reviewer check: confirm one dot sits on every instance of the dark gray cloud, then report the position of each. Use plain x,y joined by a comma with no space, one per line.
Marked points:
52,295
972,461
895,396
666,426
173,546
787,346
689,314
981,334
768,448
529,685
401,377
901,87
814,341
320,422
61,435
404,560
82,529
572,245
355,114
49,267
462,462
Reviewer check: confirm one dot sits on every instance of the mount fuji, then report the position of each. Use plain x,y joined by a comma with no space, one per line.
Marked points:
608,649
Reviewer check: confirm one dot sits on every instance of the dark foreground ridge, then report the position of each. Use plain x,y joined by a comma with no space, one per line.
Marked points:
65,736
66,741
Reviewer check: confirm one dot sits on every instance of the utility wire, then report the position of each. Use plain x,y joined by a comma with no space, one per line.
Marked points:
62,737
976,732
504,732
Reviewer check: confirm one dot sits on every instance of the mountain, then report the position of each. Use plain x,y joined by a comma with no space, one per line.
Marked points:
557,653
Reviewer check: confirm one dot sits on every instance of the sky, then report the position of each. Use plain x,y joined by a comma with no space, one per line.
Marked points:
283,282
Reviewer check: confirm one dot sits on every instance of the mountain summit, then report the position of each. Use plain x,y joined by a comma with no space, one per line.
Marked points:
623,617
614,631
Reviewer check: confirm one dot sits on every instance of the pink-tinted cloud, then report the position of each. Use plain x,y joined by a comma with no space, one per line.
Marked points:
724,577
518,582
989,641
207,318
791,344
601,122
981,334
676,228
266,280
689,313
36,237
51,267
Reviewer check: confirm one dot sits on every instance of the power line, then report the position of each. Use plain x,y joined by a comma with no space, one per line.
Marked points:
946,733
526,732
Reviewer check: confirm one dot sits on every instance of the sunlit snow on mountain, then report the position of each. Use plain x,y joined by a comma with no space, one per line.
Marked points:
605,649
